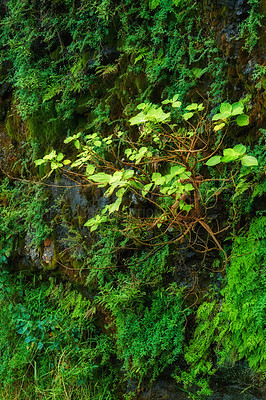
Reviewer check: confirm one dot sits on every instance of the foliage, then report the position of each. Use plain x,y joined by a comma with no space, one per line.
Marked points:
23,208
251,26
232,324
58,52
50,348
160,168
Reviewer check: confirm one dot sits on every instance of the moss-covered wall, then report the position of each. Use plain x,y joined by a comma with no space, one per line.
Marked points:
151,320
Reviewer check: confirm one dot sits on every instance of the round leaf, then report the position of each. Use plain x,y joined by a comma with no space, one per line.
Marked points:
242,120
249,161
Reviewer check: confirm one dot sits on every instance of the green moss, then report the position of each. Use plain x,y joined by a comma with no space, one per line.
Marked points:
13,126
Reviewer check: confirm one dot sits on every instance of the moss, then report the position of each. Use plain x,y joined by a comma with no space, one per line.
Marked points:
47,128
13,126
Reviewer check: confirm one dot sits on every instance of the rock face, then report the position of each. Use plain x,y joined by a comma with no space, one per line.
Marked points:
108,99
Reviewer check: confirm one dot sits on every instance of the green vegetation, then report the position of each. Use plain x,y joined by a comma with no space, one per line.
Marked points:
132,196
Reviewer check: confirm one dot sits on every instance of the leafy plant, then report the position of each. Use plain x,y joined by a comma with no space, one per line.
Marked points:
160,167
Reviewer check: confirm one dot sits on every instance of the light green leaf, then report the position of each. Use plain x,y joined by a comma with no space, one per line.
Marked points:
240,149
175,97
146,189
249,161
116,177
97,143
242,120
68,139
115,206
66,162
216,117
143,150
224,115
40,161
176,104
226,108
101,177
177,170
185,175
140,118
128,174
167,101
214,161
193,106
55,165
60,156
77,163
128,152
120,192
188,187
219,126
229,155
237,108
77,144
201,107
90,169
187,116
50,156
157,178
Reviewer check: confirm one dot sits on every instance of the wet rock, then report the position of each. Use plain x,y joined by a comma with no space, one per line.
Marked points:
48,252
164,390
30,254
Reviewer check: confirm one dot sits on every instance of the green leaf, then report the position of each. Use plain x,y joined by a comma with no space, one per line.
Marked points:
157,178
193,106
224,115
177,170
175,97
115,206
77,163
200,107
219,126
140,118
214,161
225,108
216,117
187,116
120,192
240,149
55,165
188,187
50,156
237,108
176,104
128,152
128,174
229,155
40,161
77,144
97,143
167,101
94,227
242,120
90,169
66,162
69,139
146,189
249,161
60,156
101,178
141,106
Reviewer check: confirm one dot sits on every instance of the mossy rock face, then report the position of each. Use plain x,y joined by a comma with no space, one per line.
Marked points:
47,129
14,126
